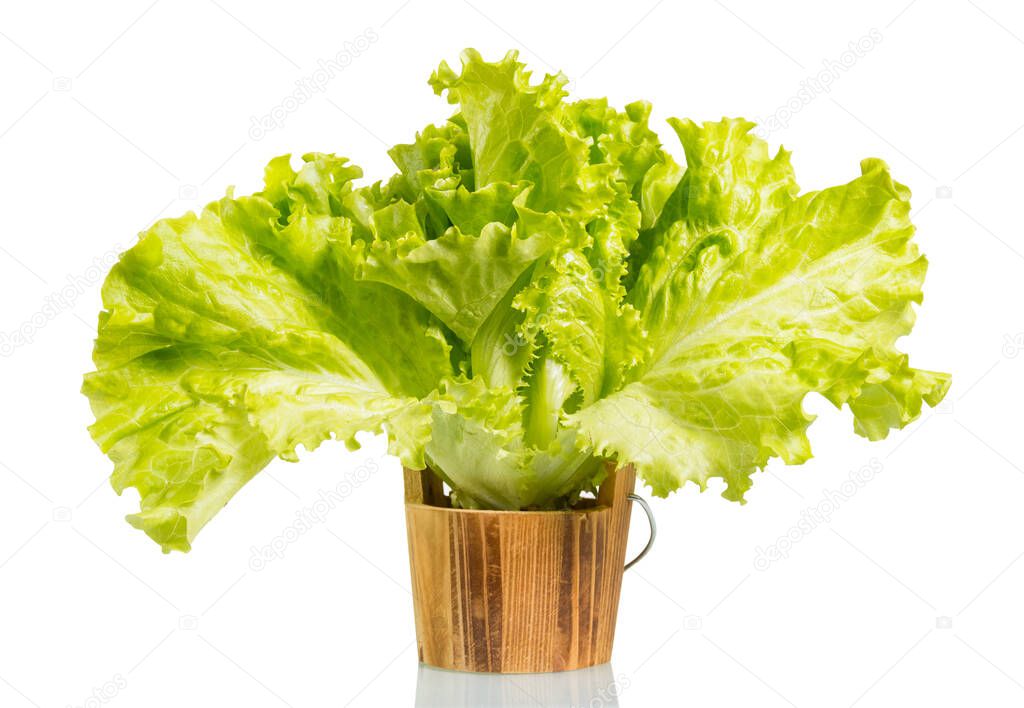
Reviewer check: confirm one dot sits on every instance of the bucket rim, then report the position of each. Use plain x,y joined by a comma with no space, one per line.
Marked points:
519,513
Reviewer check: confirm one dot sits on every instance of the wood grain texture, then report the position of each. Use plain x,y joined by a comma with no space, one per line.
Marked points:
516,591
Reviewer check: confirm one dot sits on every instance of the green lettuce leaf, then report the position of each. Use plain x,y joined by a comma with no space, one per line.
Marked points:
239,334
751,299
539,288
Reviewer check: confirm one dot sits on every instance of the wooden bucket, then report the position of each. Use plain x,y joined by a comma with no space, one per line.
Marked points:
516,591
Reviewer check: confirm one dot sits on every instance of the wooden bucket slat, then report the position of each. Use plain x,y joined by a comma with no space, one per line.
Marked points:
514,592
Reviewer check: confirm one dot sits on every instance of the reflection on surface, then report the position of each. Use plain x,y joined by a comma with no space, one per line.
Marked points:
595,687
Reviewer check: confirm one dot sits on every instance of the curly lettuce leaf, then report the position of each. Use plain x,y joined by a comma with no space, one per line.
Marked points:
480,447
237,335
458,277
753,297
515,128
540,287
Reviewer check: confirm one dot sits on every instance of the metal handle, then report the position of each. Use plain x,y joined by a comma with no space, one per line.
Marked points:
654,529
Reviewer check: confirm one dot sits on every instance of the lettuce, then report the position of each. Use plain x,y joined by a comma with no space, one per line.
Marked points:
541,286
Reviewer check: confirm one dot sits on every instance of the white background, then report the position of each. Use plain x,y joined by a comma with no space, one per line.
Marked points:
115,114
